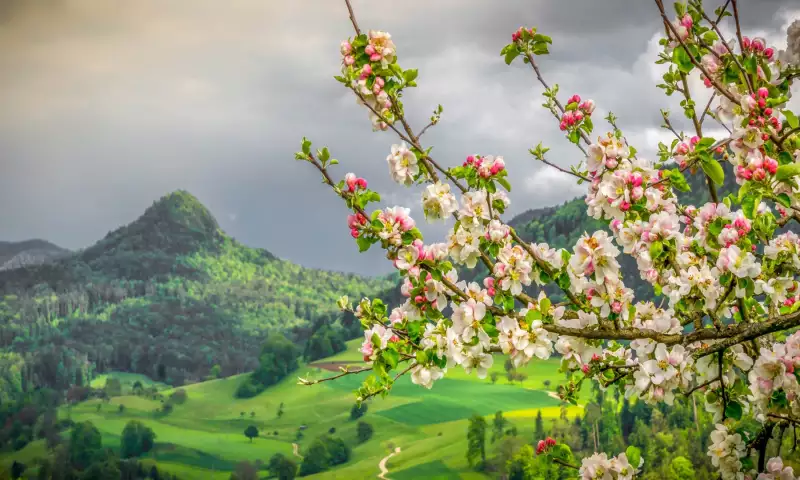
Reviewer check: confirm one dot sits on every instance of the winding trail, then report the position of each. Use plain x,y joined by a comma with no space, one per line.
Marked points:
296,450
382,464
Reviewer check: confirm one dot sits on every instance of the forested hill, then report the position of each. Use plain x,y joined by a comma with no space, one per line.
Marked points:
169,295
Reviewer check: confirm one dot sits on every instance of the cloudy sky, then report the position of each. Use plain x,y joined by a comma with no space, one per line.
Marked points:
108,105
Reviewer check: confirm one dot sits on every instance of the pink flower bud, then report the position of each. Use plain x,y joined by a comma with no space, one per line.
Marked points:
550,442
616,307
769,53
366,71
345,48
759,174
771,165
419,299
687,21
354,233
746,42
578,116
762,103
585,368
587,106
349,60
563,125
540,447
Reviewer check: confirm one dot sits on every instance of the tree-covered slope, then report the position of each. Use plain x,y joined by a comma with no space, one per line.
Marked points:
169,295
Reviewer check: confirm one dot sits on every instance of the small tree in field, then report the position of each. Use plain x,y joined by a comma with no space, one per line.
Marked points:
251,432
723,272
363,431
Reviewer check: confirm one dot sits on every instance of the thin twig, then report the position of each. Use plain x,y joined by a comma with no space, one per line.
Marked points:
352,17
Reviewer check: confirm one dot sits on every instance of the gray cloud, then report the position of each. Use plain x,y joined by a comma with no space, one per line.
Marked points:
109,105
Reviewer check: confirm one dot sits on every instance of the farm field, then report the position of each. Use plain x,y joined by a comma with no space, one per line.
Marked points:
203,438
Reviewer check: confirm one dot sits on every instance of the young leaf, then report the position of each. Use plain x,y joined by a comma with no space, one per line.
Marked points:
713,169
791,118
785,172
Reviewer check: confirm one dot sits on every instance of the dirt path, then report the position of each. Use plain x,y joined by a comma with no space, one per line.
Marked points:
382,464
296,450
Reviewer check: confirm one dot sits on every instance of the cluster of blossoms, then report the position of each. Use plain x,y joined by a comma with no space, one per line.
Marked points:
576,112
543,445
777,471
486,166
726,452
363,61
705,260
403,164
600,467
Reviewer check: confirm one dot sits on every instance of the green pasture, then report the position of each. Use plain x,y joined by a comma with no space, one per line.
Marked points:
203,438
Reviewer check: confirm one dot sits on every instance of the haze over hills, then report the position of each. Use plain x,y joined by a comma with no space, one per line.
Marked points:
28,253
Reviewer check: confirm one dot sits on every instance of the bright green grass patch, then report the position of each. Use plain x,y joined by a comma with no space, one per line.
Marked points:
435,470
127,380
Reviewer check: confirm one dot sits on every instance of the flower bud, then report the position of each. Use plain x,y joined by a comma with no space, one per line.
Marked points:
345,48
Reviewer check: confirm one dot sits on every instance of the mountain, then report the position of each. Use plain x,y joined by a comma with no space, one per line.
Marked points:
28,253
169,295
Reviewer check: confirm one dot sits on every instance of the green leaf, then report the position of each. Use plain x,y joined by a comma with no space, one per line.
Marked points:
561,451
574,137
410,75
751,65
306,146
733,410
511,55
682,60
391,357
508,303
704,143
540,49
785,172
785,158
504,183
791,118
422,357
656,248
784,200
544,305
678,180
634,456
750,205
542,38
713,169
532,316
324,154
363,244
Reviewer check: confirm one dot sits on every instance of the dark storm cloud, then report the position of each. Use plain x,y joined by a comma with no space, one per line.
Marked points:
109,105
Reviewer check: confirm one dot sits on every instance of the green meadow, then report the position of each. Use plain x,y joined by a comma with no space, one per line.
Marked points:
203,438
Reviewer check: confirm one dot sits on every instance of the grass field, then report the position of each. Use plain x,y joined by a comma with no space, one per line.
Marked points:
203,438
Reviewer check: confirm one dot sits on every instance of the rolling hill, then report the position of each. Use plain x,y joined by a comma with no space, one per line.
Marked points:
203,437
169,295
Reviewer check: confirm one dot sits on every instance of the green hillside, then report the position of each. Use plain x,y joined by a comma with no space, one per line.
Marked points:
203,437
169,296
